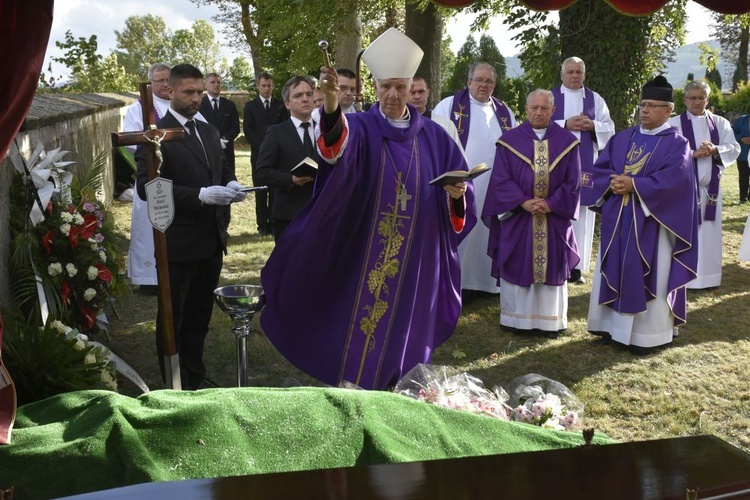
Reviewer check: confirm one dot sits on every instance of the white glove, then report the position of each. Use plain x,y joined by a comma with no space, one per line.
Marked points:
216,195
239,195
224,143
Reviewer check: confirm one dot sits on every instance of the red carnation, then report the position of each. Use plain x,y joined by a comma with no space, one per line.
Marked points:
47,240
73,236
50,208
88,228
88,318
66,292
104,274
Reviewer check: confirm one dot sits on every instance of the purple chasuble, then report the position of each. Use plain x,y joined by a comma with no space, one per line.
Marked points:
461,109
587,138
365,282
664,183
713,185
531,249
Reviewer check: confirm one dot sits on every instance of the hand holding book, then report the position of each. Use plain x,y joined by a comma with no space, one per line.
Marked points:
456,176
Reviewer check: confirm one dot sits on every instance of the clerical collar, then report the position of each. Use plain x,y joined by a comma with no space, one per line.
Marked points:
156,98
656,130
572,91
478,103
695,117
402,122
539,132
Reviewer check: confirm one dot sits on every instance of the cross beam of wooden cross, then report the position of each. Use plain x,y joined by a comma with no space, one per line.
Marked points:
152,137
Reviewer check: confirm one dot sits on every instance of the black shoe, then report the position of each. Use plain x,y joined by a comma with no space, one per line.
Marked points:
575,277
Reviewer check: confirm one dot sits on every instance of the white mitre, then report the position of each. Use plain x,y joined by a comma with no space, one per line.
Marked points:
393,55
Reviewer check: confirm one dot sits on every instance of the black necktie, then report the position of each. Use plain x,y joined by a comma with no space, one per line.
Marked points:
216,105
268,107
190,124
309,150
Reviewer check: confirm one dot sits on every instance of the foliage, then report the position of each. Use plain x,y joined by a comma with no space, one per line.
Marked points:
709,57
199,47
740,100
733,34
145,40
715,99
89,72
73,252
447,66
240,75
53,359
465,56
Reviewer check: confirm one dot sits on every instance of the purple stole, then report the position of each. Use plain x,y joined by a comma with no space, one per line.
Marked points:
587,139
155,115
713,184
461,109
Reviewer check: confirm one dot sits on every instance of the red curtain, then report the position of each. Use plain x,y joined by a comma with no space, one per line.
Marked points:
25,26
631,7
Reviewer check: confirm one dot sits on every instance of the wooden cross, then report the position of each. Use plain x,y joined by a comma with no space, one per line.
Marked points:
152,137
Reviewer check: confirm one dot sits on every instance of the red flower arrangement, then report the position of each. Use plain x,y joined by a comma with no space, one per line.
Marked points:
79,257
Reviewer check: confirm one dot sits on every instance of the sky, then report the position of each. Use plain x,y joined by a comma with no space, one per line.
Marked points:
102,17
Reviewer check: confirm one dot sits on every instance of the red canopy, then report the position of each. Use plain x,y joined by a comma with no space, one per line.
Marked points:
630,7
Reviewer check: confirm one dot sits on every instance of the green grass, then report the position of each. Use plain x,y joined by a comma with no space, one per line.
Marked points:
699,386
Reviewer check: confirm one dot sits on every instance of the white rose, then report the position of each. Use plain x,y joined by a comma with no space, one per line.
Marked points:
59,326
65,229
92,273
80,345
103,256
90,359
109,380
54,269
94,247
89,294
66,217
71,268
78,219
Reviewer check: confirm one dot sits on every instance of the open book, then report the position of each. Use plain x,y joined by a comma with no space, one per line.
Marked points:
306,168
456,176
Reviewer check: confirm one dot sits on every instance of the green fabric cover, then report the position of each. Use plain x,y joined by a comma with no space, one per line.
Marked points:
93,440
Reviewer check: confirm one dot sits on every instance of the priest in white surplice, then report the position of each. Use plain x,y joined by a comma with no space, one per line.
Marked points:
714,147
480,120
584,113
141,261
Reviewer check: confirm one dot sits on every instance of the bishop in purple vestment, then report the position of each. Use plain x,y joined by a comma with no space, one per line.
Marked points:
532,196
645,185
365,282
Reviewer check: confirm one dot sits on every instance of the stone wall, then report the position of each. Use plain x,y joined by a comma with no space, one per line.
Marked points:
79,123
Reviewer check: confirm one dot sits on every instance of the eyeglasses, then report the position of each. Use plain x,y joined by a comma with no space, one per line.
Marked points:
160,82
480,81
696,98
646,105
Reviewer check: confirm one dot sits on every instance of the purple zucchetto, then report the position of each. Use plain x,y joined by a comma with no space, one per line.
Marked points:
658,89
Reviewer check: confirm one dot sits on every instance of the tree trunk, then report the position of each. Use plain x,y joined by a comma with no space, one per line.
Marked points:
425,27
254,40
613,69
348,31
743,53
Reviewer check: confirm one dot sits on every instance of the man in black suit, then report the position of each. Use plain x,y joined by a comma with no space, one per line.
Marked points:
203,187
260,113
284,147
222,114
419,94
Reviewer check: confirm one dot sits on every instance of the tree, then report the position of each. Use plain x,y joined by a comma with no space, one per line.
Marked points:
465,56
710,59
89,72
240,74
620,52
144,41
447,66
424,25
199,47
733,34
